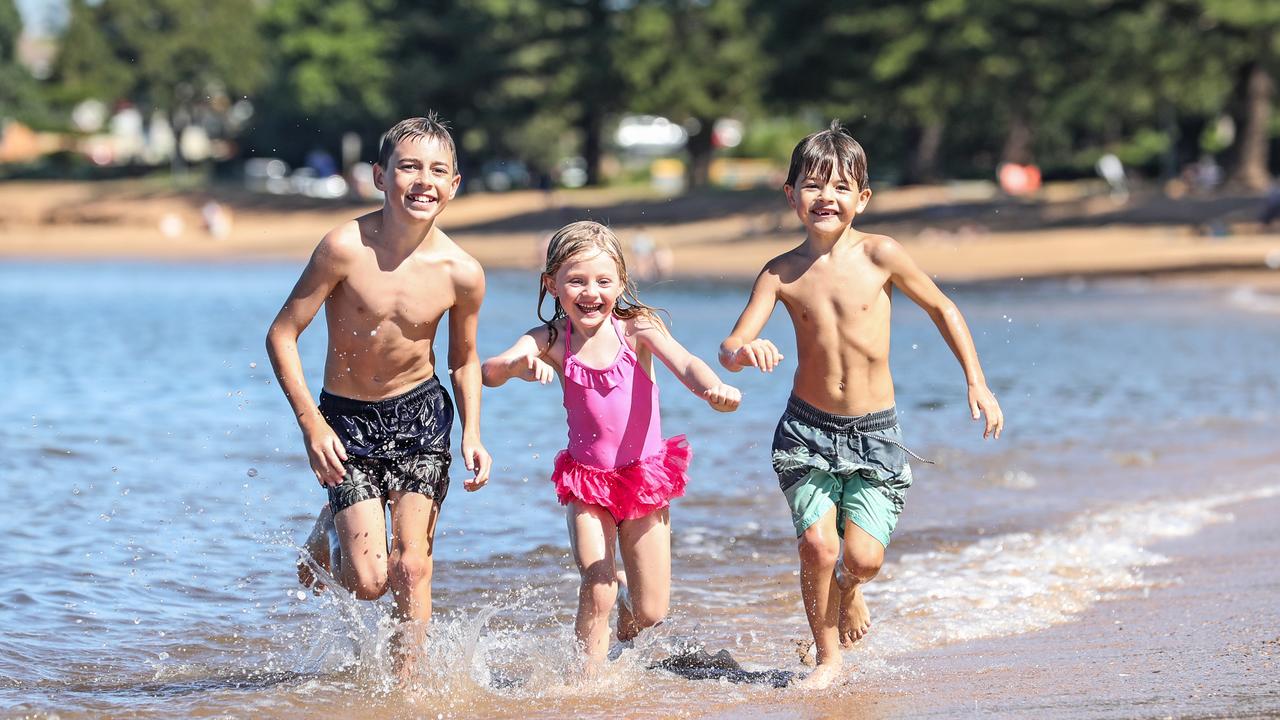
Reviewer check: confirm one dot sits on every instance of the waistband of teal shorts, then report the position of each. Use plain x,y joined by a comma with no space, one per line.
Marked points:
806,413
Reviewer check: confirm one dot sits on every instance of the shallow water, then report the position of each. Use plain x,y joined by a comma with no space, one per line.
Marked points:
157,485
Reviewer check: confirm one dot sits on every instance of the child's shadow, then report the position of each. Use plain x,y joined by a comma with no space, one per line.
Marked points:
701,665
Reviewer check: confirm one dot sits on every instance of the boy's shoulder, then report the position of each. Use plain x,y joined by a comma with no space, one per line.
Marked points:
882,250
346,240
467,272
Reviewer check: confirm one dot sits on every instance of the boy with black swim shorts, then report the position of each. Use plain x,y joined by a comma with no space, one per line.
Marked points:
379,437
838,450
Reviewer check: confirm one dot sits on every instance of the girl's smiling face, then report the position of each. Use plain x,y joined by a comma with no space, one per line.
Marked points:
587,286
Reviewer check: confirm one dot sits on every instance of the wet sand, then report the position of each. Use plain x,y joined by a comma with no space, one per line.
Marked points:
718,234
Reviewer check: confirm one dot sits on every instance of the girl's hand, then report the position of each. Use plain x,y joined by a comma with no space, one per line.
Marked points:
532,368
724,398
758,353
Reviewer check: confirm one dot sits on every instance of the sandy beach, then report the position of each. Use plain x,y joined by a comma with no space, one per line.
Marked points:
955,232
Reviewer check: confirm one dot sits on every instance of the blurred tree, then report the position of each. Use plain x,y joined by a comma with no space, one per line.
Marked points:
1251,31
19,95
330,73
692,61
527,79
182,57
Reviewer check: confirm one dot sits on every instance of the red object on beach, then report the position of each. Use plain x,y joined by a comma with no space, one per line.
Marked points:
1018,179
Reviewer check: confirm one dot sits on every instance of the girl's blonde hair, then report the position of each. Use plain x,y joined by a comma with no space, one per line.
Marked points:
572,240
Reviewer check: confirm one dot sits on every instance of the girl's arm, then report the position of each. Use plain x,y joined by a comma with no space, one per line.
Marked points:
692,371
906,275
524,360
744,347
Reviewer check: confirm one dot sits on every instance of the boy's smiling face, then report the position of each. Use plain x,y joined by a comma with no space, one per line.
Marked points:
419,179
827,205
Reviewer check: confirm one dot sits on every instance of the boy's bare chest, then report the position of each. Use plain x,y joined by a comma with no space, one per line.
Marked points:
836,296
413,296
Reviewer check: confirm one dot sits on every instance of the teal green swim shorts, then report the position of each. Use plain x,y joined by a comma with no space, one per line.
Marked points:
856,464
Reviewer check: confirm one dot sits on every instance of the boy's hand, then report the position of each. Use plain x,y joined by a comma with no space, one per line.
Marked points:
758,353
325,452
724,398
532,368
983,402
477,460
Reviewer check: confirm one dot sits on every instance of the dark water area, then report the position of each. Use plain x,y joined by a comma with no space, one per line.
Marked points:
156,488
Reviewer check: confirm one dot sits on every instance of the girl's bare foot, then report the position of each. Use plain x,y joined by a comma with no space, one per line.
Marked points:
855,618
317,546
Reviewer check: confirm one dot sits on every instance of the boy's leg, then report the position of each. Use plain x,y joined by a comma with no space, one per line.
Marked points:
819,548
592,537
413,528
317,547
362,535
860,562
645,543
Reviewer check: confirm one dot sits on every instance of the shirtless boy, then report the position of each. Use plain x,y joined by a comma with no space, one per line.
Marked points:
838,449
379,437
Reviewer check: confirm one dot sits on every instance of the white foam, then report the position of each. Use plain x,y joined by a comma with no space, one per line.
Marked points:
1017,583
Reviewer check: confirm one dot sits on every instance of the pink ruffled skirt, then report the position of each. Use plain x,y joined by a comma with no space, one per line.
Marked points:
631,491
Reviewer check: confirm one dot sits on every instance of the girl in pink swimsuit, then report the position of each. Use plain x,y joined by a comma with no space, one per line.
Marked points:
619,474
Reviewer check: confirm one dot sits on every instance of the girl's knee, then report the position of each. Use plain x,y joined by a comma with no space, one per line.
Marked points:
648,614
599,594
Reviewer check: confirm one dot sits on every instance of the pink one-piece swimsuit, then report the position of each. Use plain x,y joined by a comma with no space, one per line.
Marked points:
617,458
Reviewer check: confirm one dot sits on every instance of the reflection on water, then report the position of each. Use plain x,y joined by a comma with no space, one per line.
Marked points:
156,487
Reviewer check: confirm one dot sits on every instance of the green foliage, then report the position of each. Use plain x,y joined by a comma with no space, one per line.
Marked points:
163,54
19,97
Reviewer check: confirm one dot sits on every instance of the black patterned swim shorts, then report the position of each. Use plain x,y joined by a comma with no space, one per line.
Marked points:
397,444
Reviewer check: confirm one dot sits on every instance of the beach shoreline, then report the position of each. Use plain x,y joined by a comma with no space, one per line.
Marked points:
716,235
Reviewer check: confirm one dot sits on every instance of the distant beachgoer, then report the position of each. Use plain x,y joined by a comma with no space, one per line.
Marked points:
618,475
838,450
380,434
217,219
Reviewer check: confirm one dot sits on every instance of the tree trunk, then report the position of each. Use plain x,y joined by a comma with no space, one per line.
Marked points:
1252,170
698,174
599,89
1017,144
592,142
924,166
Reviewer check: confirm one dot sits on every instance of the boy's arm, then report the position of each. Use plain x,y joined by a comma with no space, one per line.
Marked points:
692,371
743,347
906,275
464,368
522,360
323,272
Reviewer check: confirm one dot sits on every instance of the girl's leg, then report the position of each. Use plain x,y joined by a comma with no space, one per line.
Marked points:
592,537
646,555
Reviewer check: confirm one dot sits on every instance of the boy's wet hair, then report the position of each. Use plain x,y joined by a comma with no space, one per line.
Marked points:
819,153
430,127
578,238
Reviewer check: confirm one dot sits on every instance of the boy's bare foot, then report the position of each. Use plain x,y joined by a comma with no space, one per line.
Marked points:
855,618
628,628
317,546
822,677
407,646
